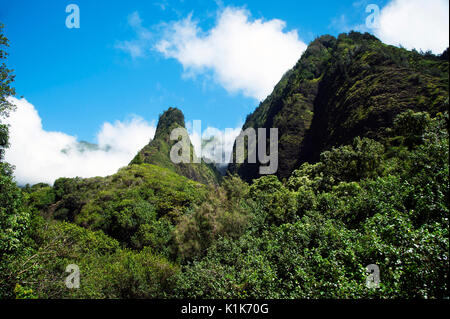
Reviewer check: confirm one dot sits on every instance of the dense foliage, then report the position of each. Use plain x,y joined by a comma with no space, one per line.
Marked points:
6,78
370,202
344,87
313,236
14,215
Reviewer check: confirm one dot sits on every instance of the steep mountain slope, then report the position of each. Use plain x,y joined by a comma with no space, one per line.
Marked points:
157,151
342,88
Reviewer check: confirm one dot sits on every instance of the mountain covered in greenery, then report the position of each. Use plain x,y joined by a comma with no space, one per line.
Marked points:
344,87
363,180
157,151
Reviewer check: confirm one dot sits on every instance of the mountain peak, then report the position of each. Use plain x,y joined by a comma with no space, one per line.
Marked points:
157,152
170,119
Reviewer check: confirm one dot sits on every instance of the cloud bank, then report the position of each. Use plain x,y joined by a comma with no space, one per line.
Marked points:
43,156
213,144
244,55
415,24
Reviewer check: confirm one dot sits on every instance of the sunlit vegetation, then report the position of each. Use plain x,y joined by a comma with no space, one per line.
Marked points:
344,87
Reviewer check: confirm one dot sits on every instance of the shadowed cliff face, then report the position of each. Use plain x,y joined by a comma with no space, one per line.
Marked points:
342,88
157,151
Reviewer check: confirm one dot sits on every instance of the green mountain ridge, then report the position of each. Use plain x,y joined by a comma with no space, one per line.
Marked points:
157,151
344,87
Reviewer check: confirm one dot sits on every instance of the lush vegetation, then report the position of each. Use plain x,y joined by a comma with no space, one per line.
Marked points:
157,151
341,88
150,232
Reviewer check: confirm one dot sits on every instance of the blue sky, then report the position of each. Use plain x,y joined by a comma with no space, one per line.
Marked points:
132,58
77,79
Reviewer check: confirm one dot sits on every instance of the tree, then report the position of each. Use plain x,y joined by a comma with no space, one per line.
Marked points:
6,78
14,216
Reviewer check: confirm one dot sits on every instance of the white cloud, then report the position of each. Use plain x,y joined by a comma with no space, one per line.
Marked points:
419,24
138,46
213,143
222,141
244,55
43,156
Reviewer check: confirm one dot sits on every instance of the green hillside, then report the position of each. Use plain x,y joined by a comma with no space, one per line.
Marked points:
342,88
